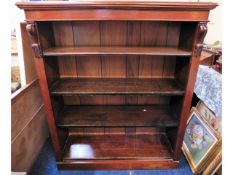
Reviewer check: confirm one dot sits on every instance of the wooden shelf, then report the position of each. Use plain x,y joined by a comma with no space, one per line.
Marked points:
105,147
123,116
116,86
82,51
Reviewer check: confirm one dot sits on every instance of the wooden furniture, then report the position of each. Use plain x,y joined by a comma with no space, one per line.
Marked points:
212,58
117,78
207,57
29,129
218,64
215,167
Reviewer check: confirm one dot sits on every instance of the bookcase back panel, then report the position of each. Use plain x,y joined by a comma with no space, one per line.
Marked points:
52,70
115,130
117,67
116,33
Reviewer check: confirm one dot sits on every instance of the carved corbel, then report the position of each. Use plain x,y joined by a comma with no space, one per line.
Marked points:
32,31
201,32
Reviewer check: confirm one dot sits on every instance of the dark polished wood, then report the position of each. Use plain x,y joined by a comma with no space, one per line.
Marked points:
105,34
81,116
140,55
212,57
218,65
116,86
70,51
40,68
202,30
200,33
117,147
207,58
104,14
32,31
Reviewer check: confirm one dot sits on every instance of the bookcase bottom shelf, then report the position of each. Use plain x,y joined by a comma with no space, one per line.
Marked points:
142,151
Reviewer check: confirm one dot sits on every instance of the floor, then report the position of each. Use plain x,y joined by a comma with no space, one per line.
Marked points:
46,165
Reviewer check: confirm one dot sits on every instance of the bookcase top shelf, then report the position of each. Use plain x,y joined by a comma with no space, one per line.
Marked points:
160,51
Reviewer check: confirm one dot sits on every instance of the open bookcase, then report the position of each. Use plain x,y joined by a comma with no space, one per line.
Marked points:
117,78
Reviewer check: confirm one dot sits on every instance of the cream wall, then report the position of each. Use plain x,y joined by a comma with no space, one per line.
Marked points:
17,16
215,25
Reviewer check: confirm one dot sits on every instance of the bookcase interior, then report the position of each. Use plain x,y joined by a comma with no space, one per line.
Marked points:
123,80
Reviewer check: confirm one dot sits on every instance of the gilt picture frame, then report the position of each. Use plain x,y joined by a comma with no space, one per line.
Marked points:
200,141
209,117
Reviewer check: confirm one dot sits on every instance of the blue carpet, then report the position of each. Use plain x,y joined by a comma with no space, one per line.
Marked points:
46,165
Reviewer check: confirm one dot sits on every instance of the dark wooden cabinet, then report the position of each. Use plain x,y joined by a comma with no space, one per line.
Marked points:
117,78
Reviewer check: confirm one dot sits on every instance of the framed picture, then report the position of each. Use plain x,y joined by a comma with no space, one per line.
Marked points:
215,165
210,117
200,141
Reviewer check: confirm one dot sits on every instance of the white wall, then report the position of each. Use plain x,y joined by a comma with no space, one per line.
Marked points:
215,21
18,16
215,25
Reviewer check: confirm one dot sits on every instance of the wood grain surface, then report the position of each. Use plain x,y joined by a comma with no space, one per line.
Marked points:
116,86
81,116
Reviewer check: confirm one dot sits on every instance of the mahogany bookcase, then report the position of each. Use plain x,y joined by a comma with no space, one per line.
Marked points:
117,78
